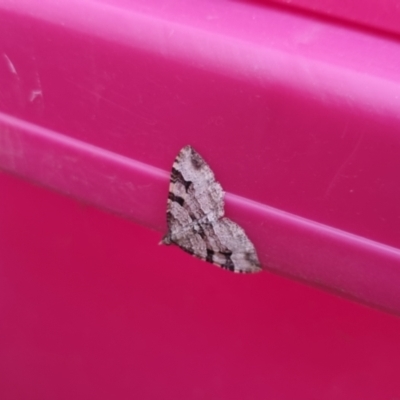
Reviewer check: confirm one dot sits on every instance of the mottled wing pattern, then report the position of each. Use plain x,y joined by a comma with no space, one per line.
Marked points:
195,219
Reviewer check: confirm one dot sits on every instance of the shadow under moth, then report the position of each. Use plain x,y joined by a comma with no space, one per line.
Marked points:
195,217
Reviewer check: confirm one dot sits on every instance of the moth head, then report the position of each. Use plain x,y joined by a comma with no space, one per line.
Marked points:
166,240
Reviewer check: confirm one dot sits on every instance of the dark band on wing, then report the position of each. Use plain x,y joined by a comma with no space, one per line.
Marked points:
177,199
196,159
210,255
228,264
176,176
228,261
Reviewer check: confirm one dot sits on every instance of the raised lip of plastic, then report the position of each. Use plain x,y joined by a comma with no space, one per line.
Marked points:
371,14
322,255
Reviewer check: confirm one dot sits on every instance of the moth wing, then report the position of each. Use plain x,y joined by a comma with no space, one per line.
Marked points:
223,243
193,187
234,250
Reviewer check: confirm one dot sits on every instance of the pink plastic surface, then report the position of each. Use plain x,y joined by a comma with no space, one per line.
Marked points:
298,117
368,14
90,307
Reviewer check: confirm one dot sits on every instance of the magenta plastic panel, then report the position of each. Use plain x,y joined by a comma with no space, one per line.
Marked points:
369,14
91,307
297,116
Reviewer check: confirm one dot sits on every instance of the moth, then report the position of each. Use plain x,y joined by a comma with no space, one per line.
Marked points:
195,217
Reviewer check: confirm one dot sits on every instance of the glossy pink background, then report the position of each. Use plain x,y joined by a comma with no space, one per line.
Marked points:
297,114
370,15
298,117
91,307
